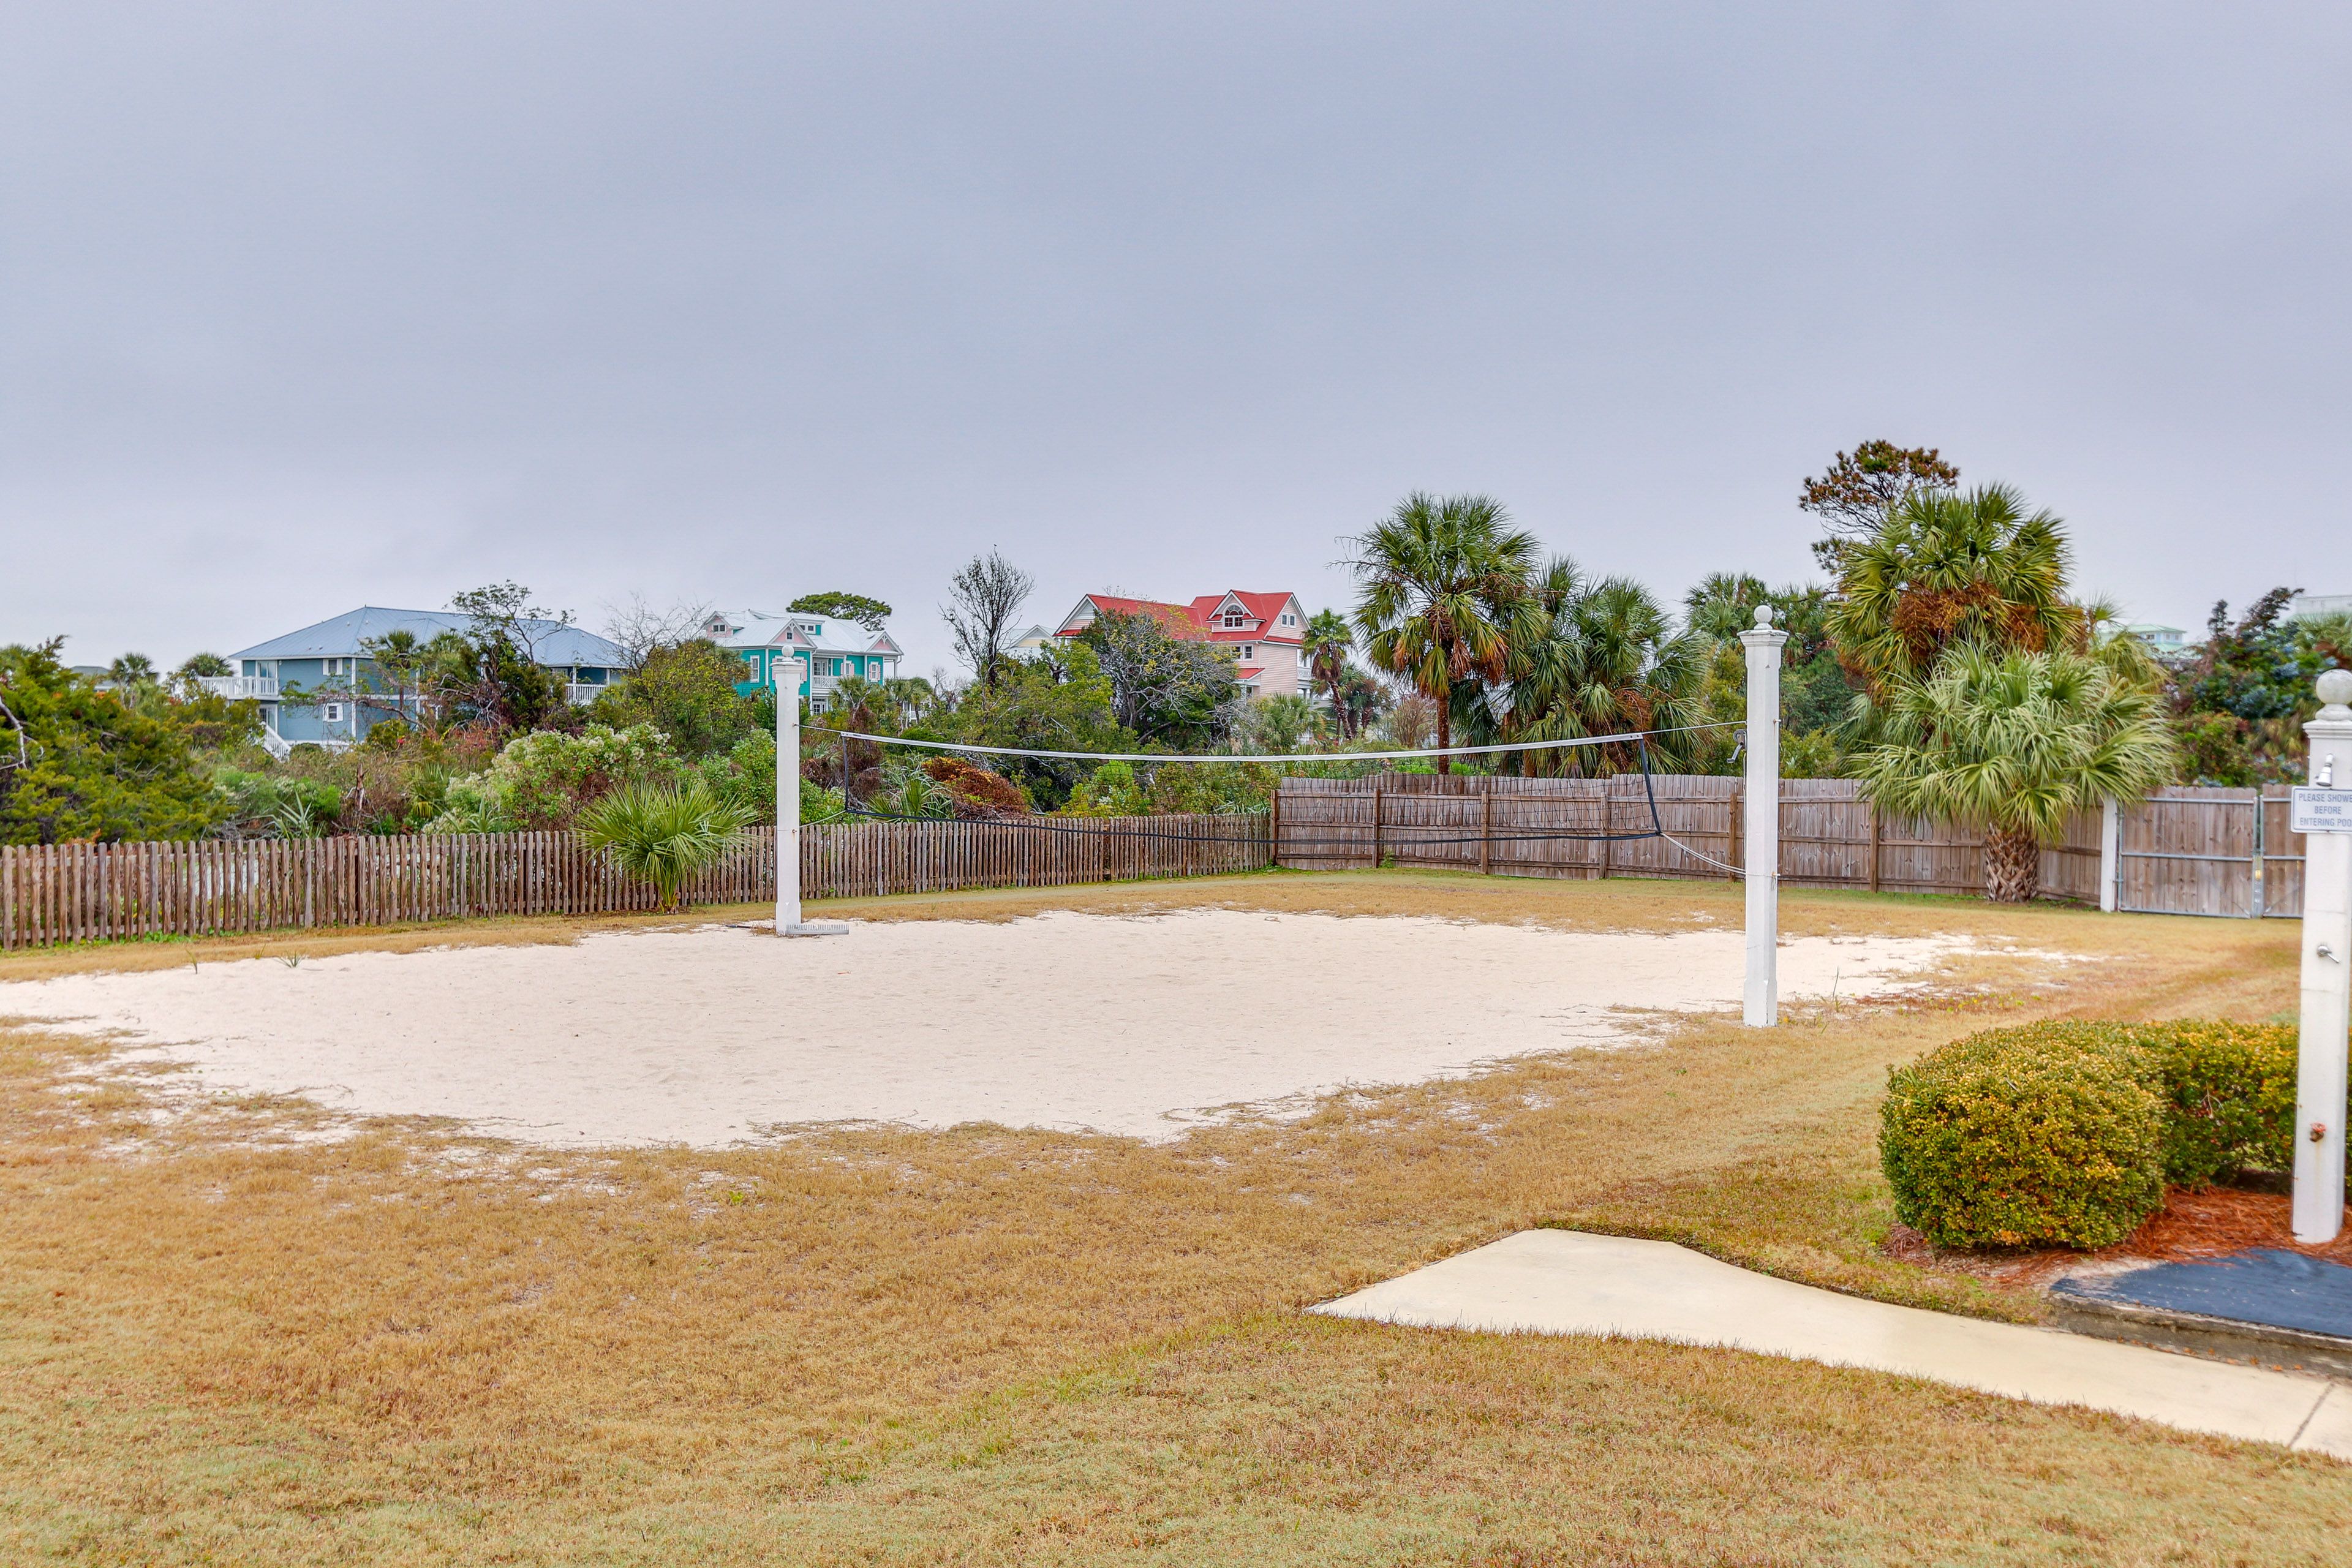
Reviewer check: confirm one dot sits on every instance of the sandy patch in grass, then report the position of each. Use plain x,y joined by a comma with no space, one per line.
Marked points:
1140,1026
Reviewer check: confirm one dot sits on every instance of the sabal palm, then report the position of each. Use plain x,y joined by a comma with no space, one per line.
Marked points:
1949,568
665,835
1328,643
1599,659
1441,577
1724,604
2017,744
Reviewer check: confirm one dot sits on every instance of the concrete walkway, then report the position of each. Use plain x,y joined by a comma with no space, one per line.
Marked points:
1567,1282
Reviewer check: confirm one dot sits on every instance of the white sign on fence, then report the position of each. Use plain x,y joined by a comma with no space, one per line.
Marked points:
2321,811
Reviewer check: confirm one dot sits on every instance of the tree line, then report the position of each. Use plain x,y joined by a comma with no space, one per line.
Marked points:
1947,660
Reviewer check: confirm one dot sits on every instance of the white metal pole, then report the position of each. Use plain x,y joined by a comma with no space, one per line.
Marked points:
2326,1016
785,672
1761,1004
2111,857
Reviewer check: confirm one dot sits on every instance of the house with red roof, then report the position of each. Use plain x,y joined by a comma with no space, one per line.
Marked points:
1265,631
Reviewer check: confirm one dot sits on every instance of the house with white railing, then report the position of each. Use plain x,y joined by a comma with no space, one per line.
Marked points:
824,650
321,684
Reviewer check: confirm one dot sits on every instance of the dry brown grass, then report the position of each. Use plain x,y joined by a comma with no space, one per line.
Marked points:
984,1345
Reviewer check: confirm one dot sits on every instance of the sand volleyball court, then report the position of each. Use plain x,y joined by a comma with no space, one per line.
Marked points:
1143,1026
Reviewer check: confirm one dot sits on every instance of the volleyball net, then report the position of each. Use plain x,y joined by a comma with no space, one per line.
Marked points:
1628,754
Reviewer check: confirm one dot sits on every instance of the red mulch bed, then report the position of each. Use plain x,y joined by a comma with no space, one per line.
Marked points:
2212,1223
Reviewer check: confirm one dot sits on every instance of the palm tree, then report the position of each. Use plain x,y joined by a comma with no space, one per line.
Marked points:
2017,743
1724,604
400,655
1440,579
1275,726
1596,658
665,835
1949,568
198,665
1361,699
1328,643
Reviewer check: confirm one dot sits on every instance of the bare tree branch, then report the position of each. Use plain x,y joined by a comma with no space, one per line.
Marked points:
984,599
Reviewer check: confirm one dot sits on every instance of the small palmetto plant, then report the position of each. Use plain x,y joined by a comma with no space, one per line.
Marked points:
665,834
912,792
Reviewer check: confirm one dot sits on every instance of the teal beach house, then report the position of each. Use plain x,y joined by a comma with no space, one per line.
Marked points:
816,653
320,685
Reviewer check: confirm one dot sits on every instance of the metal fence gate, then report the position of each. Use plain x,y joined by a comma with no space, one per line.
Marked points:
2191,851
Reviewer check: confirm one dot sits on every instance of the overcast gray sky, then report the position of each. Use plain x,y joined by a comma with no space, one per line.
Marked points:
303,307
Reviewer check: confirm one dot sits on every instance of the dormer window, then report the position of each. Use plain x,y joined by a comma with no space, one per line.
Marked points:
1235,620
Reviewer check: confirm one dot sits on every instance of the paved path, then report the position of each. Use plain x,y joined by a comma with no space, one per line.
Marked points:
1567,1282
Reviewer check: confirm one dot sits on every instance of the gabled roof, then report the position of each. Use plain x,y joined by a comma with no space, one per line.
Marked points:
1201,618
1264,608
754,628
553,643
1178,618
785,628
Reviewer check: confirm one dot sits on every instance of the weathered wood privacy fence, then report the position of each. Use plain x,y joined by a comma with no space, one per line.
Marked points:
2201,851
2181,851
85,893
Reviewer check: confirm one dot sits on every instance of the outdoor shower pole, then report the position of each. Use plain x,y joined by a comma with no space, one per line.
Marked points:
2327,1016
1761,1004
784,669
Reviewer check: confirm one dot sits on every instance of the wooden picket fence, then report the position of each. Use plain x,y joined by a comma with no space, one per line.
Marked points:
1829,836
2181,851
94,893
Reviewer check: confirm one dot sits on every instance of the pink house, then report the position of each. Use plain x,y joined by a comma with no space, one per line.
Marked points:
1265,631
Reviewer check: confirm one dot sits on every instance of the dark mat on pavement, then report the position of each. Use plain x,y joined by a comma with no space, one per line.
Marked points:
2285,1289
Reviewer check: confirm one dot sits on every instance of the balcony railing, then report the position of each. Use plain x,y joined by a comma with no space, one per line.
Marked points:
240,688
581,695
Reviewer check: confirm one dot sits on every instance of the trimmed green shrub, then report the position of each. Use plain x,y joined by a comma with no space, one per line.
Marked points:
2066,1133
2231,1094
2049,1133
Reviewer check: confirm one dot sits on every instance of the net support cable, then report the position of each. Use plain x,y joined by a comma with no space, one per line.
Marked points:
1426,751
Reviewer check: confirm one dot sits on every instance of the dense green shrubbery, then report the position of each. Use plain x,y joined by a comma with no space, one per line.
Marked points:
2066,1133
2230,1089
2014,1137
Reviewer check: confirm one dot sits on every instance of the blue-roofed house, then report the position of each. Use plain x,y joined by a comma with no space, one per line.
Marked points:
318,684
824,649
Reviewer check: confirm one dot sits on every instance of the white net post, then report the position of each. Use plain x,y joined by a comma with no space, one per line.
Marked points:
1760,1004
2326,1014
786,669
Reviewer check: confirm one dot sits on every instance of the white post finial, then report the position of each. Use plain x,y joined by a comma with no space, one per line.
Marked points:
1761,1006
2326,1013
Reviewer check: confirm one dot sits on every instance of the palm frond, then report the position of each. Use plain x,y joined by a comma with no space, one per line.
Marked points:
665,835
